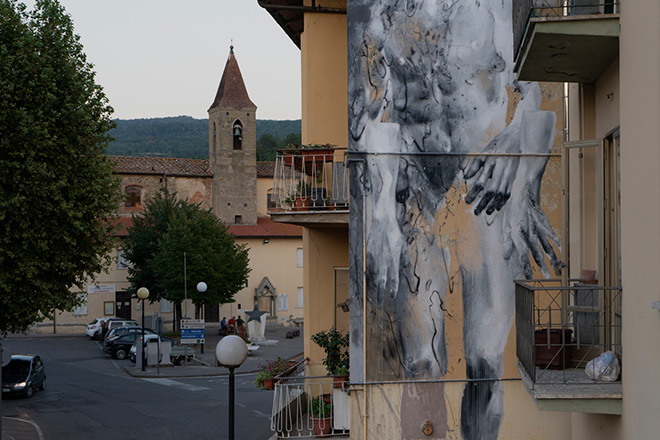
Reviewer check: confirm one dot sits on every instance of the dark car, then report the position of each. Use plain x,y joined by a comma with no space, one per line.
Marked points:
119,346
123,330
22,375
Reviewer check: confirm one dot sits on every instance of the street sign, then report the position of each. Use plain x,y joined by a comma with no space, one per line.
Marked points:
6,356
193,331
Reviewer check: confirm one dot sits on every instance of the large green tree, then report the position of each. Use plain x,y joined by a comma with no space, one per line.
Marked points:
56,184
169,228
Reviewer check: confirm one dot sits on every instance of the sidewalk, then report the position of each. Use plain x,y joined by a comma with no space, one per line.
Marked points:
277,345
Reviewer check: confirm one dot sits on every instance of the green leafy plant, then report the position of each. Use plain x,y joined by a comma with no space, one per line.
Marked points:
335,345
269,370
320,409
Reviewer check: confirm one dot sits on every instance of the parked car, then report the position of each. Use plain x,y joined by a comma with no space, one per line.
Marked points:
121,330
114,323
119,346
95,329
22,375
151,338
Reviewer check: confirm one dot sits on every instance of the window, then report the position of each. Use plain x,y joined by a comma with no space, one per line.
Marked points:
122,263
270,204
133,196
300,298
299,257
238,135
282,302
165,306
82,308
238,219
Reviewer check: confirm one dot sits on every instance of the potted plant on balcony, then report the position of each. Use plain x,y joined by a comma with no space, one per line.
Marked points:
300,198
266,373
321,417
335,345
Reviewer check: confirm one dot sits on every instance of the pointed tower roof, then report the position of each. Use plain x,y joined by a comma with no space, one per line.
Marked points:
232,91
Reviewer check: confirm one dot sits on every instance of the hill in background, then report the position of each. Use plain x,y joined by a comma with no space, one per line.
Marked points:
186,137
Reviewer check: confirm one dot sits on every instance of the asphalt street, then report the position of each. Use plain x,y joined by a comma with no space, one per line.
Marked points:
90,395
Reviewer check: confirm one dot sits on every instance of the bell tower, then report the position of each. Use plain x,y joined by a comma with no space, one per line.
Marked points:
233,148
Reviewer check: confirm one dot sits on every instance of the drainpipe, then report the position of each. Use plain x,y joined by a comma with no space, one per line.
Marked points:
355,160
314,8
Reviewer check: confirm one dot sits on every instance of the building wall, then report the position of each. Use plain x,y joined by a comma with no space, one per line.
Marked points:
640,211
434,255
325,250
324,116
263,185
275,260
195,189
399,411
324,104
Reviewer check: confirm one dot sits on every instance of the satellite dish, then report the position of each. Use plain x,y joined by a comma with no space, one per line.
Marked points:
6,356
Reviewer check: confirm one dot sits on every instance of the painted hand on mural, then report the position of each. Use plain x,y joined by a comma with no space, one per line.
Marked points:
492,175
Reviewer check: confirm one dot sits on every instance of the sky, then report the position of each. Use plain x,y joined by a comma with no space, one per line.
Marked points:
157,58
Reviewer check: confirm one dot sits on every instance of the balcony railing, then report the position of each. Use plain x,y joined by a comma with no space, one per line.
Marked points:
292,406
310,180
560,328
525,10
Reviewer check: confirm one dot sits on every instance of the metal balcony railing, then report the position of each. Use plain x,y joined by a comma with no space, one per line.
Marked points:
525,10
310,180
293,401
560,328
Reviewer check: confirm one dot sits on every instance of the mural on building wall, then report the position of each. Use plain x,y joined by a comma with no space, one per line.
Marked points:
445,191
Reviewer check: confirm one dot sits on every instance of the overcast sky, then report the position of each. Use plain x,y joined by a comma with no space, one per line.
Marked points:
159,58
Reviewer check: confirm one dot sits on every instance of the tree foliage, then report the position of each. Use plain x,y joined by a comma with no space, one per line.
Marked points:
57,188
167,229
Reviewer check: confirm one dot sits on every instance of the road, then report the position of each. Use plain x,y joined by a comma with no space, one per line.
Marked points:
89,396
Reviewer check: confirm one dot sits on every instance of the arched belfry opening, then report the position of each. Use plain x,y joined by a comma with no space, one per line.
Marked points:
237,133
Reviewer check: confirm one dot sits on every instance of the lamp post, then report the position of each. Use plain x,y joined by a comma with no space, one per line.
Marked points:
143,293
201,288
231,352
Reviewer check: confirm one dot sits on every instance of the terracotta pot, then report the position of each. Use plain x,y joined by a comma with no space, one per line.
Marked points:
322,427
338,381
301,204
269,383
327,398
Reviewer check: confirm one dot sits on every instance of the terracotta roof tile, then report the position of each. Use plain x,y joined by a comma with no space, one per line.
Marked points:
265,169
266,228
232,92
162,165
122,223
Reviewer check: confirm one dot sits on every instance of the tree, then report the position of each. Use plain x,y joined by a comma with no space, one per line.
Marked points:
266,146
57,189
156,244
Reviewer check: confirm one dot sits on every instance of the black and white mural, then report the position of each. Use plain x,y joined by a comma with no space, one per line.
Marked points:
448,154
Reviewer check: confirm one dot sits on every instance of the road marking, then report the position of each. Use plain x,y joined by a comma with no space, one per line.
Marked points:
174,383
18,419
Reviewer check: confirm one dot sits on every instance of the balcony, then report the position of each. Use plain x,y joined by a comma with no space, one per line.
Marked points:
293,401
558,330
565,40
310,187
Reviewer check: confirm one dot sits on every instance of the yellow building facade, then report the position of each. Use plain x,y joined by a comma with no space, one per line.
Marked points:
582,279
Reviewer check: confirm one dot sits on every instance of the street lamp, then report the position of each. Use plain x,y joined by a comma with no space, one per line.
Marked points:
201,288
231,352
143,293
